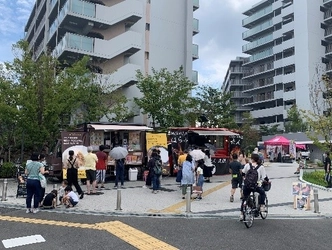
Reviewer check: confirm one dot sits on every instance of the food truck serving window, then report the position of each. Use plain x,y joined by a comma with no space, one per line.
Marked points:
217,141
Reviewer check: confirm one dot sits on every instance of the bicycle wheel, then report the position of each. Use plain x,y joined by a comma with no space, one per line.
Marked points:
248,216
264,214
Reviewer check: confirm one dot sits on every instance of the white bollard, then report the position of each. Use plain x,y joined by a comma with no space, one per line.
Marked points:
188,200
316,205
4,190
118,199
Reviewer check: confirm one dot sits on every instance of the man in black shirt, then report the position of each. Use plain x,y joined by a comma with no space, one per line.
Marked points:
235,168
327,168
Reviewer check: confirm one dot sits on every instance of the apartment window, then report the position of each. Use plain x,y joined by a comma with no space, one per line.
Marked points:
147,26
147,55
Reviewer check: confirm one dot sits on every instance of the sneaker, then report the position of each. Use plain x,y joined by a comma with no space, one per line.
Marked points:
115,187
35,210
28,211
122,187
144,186
241,217
82,196
231,199
262,208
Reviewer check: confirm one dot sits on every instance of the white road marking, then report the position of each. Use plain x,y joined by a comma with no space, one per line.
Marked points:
21,241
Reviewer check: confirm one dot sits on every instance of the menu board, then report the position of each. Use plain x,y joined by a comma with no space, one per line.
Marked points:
134,141
96,139
155,139
133,158
72,139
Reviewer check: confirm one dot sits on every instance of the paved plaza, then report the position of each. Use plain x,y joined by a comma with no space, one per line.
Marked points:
136,200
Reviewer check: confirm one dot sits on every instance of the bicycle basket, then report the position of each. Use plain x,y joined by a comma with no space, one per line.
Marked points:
266,186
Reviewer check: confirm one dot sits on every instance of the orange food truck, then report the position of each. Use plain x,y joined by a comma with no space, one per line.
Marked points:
222,141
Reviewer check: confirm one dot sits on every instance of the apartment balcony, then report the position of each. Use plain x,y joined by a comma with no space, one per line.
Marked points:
257,17
71,44
327,3
80,16
33,17
195,5
287,10
194,76
195,52
328,16
288,77
258,44
238,94
195,26
258,30
267,112
289,95
122,77
262,55
329,68
235,83
237,70
328,33
259,70
328,51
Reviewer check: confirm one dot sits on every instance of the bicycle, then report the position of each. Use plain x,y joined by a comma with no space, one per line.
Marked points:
251,209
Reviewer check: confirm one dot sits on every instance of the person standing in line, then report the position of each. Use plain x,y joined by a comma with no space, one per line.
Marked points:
208,166
101,166
90,161
235,169
33,186
188,170
119,168
327,168
200,181
42,190
71,164
154,164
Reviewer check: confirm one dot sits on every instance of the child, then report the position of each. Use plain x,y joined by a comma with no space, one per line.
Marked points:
200,181
49,201
64,184
71,198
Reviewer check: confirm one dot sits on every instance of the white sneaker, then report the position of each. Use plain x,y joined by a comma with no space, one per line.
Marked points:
28,211
241,217
144,186
35,210
262,208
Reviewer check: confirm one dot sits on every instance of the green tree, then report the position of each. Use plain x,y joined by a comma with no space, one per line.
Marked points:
216,106
166,97
295,121
319,118
269,130
250,135
47,97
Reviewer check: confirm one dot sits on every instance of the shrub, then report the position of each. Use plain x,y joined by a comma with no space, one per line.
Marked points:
7,170
315,177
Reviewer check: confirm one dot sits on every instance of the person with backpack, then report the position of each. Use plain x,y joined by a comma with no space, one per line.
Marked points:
71,164
254,174
155,168
235,169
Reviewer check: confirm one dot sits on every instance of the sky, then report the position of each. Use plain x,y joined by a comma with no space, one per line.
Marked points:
219,40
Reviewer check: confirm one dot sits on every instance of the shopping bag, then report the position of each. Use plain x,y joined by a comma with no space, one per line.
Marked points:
179,176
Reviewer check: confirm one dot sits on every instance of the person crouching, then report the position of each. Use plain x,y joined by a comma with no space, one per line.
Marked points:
71,198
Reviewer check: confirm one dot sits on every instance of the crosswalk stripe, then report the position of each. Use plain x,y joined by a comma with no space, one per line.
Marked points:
22,241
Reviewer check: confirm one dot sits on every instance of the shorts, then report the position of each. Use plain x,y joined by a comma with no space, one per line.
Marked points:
236,182
74,203
90,175
100,175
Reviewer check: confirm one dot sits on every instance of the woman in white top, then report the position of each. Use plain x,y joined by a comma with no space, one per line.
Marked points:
208,166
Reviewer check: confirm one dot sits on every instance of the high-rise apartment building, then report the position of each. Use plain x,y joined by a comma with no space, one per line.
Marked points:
233,84
285,41
120,36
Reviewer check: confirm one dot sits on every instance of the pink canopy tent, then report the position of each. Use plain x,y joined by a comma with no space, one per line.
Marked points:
282,141
277,141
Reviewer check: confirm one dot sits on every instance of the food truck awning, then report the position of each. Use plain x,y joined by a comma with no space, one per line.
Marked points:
119,127
214,132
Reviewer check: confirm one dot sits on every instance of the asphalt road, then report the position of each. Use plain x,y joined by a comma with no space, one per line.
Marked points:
74,231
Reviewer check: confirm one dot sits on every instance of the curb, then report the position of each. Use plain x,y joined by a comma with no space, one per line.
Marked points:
311,184
171,215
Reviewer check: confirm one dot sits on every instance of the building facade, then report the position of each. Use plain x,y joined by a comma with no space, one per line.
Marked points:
120,36
286,44
233,84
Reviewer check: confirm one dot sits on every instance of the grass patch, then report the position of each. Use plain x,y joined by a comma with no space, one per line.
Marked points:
315,177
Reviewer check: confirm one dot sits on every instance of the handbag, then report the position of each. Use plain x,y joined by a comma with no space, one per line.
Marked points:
42,179
179,175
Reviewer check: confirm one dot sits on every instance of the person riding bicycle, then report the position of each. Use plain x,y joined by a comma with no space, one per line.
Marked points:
255,165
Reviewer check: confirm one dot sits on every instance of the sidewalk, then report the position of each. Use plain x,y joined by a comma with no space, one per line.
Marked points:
136,200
